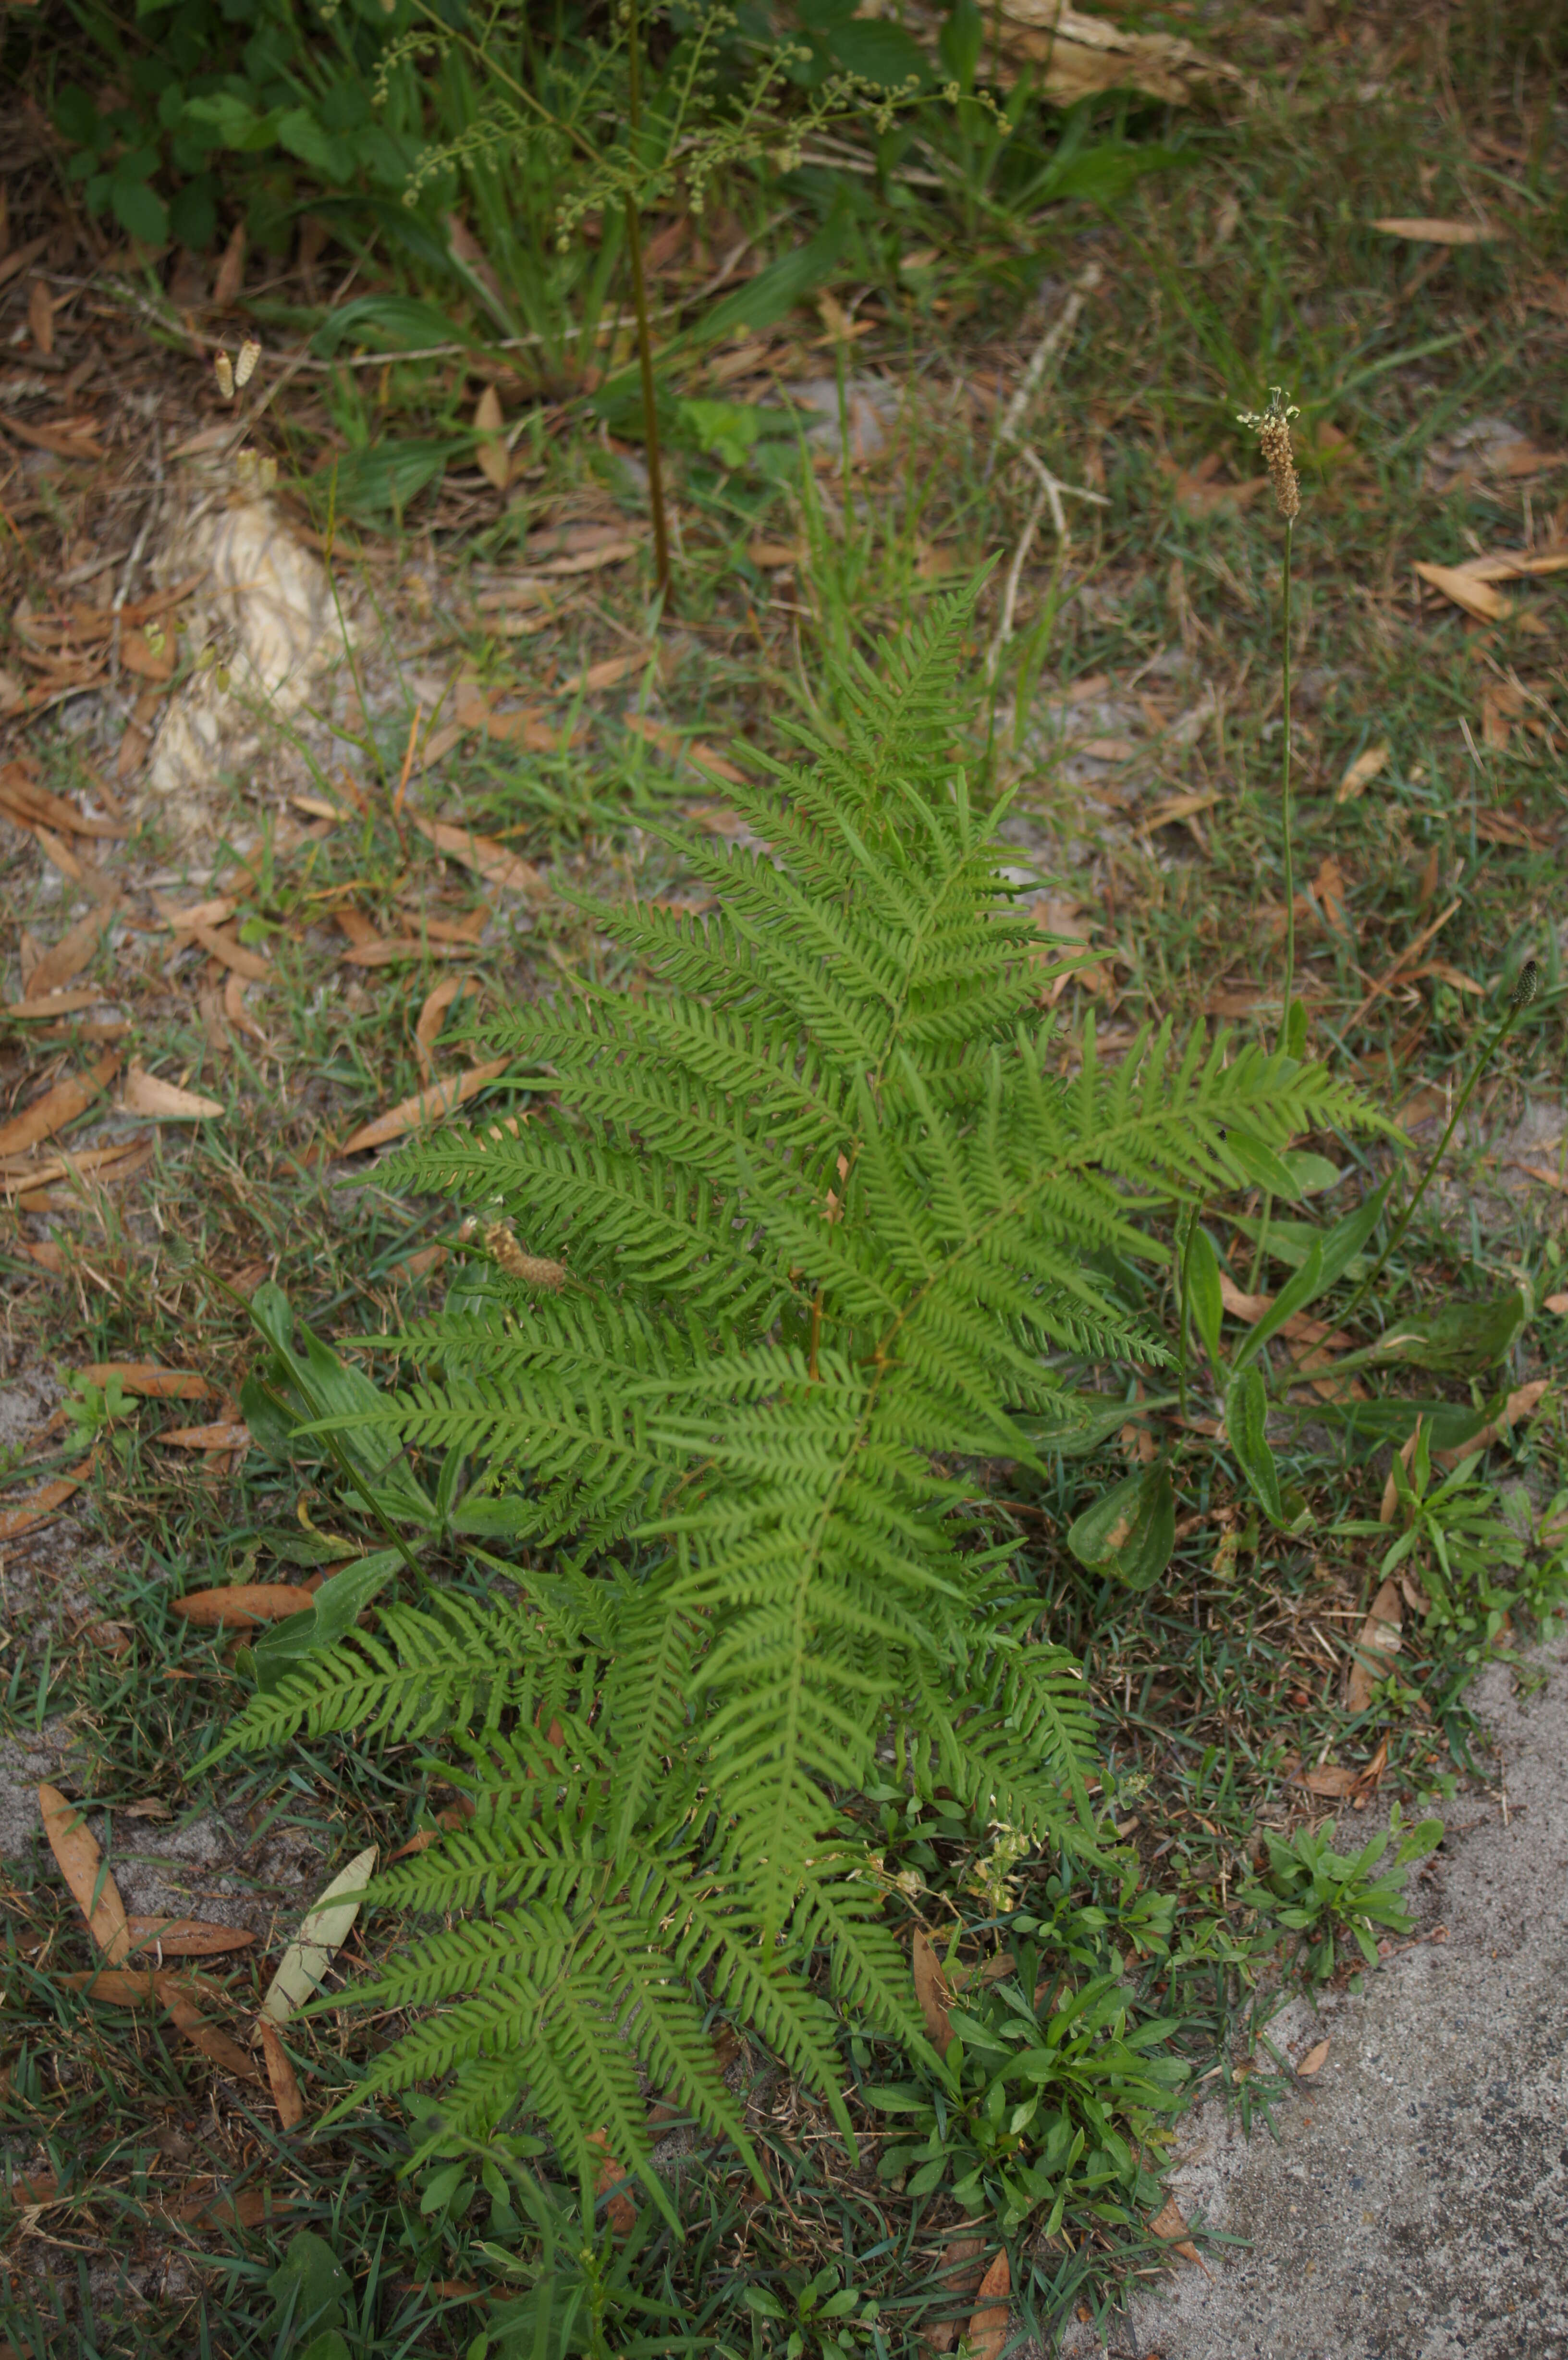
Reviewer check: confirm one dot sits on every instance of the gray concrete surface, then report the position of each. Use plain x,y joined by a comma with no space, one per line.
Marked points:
1416,2204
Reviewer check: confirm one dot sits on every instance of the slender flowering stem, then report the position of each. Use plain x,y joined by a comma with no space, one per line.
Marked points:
1272,428
1289,867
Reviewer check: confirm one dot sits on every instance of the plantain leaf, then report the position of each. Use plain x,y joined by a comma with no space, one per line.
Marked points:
1203,1293
1130,1531
1246,1412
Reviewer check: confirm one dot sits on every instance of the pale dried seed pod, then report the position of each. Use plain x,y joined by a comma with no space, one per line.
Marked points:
533,1269
1274,442
223,370
245,367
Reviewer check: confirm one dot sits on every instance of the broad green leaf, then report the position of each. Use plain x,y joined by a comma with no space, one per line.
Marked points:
765,300
1450,1423
1314,1174
337,1604
1083,1422
302,135
1203,1293
1258,1162
726,429
1292,1297
139,213
1130,1531
326,1929
1291,1242
1246,1412
1296,1030
309,2284
1462,1338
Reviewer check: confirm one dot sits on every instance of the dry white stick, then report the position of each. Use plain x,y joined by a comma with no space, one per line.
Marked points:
1045,353
1010,591
1055,487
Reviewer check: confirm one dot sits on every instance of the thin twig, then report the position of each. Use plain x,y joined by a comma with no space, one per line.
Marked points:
1011,591
1045,353
134,559
1404,958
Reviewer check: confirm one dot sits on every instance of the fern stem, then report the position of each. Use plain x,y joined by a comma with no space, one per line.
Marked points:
639,301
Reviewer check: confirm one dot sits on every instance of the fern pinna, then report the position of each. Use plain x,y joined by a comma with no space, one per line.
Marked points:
805,1228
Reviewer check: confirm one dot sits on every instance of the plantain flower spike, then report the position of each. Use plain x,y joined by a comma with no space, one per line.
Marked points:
1272,428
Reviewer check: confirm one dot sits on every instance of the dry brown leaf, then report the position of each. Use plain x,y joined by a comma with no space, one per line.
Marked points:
1520,1403
1557,1304
1172,808
484,856
92,1885
187,1938
588,560
494,461
67,959
243,1602
227,285
1171,2224
405,950
1378,1639
1544,1173
139,1988
59,1003
608,674
138,655
280,2074
246,2210
59,1107
962,2271
1058,915
1312,2062
1390,1499
1476,597
1422,230
161,1101
48,1256
1329,887
237,1013
48,1497
223,1434
683,750
1071,57
417,1265
930,1991
1330,1778
41,316
144,1377
81,872
1517,565
993,2311
611,2176
358,926
432,1016
767,555
231,953
30,803
1362,771
426,1106
214,912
